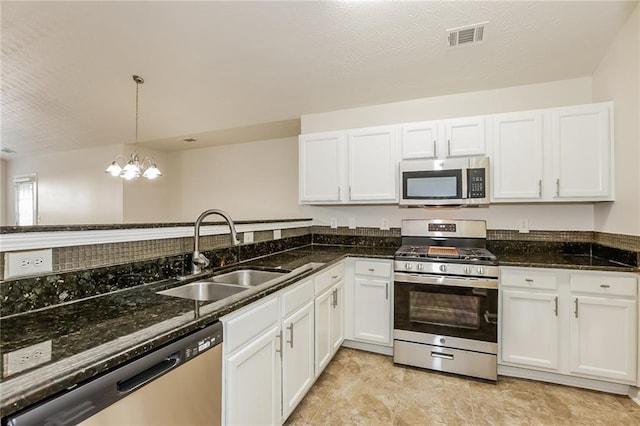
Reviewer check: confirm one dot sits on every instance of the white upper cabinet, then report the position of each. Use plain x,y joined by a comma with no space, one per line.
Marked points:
516,158
357,166
465,136
420,140
320,167
582,151
557,154
457,137
373,164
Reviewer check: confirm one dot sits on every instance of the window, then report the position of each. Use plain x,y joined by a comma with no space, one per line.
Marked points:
26,190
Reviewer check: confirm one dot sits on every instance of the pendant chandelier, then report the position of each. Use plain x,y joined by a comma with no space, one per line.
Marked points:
133,167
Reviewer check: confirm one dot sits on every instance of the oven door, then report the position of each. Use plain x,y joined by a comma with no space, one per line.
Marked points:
465,308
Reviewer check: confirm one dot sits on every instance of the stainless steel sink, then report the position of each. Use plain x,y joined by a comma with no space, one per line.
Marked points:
204,291
246,277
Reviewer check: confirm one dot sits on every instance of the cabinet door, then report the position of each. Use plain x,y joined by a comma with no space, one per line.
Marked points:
372,310
337,317
603,338
530,329
373,164
320,167
323,343
465,136
420,140
582,151
253,380
516,160
297,358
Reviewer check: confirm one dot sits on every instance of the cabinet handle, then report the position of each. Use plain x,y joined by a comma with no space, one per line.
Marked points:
605,285
448,147
334,293
279,337
339,192
576,311
349,191
529,280
557,187
290,327
540,188
435,149
386,290
333,277
555,310
371,269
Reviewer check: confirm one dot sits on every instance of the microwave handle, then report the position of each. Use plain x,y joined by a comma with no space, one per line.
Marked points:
464,194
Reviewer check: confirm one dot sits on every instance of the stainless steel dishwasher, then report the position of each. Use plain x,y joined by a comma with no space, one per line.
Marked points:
178,384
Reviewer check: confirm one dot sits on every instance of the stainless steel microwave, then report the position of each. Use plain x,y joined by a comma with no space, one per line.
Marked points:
450,182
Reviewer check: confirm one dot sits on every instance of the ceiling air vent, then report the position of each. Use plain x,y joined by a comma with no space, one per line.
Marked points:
8,150
467,35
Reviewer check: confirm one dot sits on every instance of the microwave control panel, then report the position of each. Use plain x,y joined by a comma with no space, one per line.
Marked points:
476,183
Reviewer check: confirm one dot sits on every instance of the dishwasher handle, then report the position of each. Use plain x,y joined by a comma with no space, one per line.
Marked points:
132,383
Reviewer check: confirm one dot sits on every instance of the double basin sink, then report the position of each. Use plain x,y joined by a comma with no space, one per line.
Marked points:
225,285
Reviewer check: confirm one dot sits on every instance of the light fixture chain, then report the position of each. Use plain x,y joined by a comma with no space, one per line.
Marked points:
137,89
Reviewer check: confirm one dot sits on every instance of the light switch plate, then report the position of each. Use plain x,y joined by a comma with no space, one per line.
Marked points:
523,226
384,223
352,223
334,222
30,262
277,234
248,237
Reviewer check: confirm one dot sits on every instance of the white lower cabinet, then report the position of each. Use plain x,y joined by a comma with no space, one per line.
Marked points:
329,315
298,371
370,308
252,365
576,323
529,328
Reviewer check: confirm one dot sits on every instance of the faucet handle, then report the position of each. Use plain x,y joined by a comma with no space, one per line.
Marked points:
200,260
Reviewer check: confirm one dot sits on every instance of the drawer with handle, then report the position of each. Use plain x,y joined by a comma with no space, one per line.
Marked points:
326,279
604,284
373,269
528,278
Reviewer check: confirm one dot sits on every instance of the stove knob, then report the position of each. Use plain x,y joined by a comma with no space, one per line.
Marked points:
408,265
420,266
480,270
467,270
443,268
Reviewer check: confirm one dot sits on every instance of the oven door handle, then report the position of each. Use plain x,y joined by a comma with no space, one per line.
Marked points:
443,280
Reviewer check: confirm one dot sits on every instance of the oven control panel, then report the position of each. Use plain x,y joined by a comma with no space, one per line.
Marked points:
488,271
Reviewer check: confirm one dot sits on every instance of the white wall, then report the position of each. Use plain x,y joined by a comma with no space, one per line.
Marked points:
3,192
254,180
617,78
543,95
72,186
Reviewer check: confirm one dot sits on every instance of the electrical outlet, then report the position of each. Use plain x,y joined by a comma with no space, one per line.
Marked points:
384,223
277,234
247,237
523,226
352,223
334,222
26,358
32,262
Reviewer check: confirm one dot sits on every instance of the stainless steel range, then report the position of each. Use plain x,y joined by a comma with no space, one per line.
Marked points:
446,298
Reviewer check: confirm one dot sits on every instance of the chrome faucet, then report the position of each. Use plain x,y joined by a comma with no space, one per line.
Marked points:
199,260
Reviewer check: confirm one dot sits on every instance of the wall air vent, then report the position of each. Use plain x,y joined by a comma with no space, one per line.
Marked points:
467,35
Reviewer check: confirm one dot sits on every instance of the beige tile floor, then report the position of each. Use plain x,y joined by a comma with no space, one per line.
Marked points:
361,388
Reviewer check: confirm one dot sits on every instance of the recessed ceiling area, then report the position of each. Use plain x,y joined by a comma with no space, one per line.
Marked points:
228,72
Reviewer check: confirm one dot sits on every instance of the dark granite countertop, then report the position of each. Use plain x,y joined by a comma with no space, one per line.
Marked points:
97,334
563,261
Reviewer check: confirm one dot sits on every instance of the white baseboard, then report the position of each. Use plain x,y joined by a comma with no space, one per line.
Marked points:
634,394
561,379
369,347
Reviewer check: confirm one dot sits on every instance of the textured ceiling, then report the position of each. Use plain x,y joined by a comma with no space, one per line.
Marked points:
211,68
